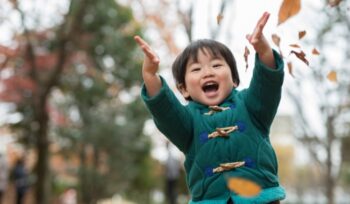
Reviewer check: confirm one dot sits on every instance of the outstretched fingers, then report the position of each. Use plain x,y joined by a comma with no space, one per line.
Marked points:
262,22
258,31
147,50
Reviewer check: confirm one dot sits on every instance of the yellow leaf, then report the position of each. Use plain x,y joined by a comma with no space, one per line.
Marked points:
243,187
332,76
219,18
302,34
315,52
294,45
288,9
276,39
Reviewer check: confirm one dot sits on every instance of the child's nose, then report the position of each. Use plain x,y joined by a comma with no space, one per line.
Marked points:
207,72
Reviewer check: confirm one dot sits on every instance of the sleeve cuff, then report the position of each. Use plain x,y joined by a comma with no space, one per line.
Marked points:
157,102
271,74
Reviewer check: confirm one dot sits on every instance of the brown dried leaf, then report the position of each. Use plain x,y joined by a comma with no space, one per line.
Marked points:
302,34
332,76
290,68
14,3
288,9
301,55
315,52
219,18
294,45
276,39
333,3
246,54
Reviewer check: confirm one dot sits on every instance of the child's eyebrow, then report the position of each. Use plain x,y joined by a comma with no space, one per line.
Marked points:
191,61
216,58
213,55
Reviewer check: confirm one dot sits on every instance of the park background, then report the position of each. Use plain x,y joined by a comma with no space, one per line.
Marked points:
70,84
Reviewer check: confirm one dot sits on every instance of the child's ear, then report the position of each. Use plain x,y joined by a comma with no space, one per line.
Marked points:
234,85
183,90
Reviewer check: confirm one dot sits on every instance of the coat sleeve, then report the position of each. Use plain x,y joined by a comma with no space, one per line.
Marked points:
172,118
264,93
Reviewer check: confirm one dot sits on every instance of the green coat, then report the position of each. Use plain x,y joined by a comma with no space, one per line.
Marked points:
252,110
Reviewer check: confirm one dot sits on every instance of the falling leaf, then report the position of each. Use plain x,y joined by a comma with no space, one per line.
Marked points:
302,34
290,68
332,76
288,9
14,2
315,52
243,187
294,45
276,39
246,54
301,55
219,18
333,3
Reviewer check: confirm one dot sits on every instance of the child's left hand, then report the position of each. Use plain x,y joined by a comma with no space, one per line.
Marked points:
259,42
257,38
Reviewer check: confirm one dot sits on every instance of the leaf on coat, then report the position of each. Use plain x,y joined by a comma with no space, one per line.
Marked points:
219,18
294,45
290,68
244,187
315,52
332,76
333,3
288,9
301,55
246,54
302,34
276,39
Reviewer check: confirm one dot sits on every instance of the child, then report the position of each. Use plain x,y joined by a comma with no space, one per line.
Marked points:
223,132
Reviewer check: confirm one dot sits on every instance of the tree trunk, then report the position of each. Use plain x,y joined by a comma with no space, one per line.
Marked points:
42,167
329,180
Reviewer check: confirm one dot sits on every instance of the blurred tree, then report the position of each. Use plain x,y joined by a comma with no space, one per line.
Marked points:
92,47
159,18
331,102
345,168
113,152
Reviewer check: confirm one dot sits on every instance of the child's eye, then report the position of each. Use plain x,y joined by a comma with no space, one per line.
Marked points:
195,69
217,65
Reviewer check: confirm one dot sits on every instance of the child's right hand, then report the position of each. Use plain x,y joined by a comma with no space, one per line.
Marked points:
151,61
149,68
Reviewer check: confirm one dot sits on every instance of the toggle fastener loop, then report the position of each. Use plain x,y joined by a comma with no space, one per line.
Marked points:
215,109
228,166
223,132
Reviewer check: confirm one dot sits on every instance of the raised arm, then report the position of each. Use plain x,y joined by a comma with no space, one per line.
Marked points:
170,116
260,44
264,93
149,68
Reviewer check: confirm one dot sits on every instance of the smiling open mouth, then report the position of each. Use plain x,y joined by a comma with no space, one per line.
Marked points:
210,87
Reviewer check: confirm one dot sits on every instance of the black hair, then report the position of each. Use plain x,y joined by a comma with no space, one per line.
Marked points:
215,48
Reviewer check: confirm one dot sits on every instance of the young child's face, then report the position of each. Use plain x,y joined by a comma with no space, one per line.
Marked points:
208,81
